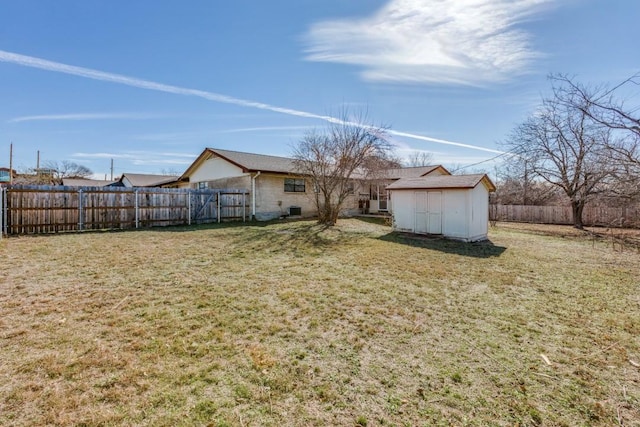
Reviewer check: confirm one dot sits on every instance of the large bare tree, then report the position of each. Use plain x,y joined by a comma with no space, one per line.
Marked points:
347,150
608,106
564,147
604,104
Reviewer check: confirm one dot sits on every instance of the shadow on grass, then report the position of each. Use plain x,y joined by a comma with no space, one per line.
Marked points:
211,226
484,249
292,237
377,220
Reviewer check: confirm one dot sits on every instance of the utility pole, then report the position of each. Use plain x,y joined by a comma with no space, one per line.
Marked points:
11,163
38,162
111,170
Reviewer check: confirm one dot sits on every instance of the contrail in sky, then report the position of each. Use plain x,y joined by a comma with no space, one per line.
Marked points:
43,64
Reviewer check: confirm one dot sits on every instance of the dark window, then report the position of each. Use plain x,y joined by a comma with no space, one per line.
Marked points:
351,187
292,185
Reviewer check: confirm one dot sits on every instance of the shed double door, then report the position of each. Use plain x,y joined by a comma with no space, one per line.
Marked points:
428,213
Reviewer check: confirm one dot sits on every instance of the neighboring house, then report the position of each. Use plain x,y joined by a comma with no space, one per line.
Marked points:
85,182
6,174
35,177
276,187
455,206
375,198
144,180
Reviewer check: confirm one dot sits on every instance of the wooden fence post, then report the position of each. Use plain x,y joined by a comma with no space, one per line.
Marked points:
219,201
80,211
189,206
2,191
137,208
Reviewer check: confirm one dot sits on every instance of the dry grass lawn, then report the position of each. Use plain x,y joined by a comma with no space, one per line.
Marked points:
291,324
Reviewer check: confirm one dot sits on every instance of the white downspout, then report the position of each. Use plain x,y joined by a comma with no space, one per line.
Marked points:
253,194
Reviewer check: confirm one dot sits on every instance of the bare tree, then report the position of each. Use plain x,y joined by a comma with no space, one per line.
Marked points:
564,147
601,103
67,169
170,172
608,107
347,150
517,184
419,158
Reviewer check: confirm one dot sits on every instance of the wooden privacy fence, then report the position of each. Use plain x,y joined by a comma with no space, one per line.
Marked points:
592,215
31,209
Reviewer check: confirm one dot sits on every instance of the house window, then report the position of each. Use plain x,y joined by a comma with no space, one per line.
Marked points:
292,185
351,187
203,185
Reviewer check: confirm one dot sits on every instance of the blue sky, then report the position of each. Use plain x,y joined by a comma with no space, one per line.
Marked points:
150,84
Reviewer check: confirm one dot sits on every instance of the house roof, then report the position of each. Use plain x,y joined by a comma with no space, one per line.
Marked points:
258,162
85,182
413,172
146,180
248,162
442,182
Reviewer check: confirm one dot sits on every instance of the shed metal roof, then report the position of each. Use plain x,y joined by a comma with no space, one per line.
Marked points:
442,182
412,172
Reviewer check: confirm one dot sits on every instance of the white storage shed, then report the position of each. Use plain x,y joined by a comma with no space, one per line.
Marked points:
454,206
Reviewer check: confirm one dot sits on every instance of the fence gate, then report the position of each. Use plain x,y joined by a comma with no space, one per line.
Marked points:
216,205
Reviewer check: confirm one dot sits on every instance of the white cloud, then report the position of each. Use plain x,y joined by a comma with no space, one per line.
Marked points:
470,42
43,64
441,141
86,116
142,158
161,162
102,156
265,129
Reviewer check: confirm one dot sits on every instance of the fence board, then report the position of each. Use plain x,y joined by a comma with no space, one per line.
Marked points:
27,209
628,217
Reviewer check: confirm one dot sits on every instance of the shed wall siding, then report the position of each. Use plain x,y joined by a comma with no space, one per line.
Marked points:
456,214
465,212
404,212
480,218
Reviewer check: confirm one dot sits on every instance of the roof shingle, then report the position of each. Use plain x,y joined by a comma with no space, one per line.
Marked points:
257,162
442,182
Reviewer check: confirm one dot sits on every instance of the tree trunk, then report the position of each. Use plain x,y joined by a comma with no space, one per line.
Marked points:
325,211
577,206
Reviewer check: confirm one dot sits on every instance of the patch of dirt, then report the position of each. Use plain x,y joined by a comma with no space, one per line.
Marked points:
618,236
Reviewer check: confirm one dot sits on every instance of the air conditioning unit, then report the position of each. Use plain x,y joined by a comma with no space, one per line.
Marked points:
295,211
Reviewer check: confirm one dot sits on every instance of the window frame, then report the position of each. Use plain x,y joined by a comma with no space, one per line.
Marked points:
295,185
